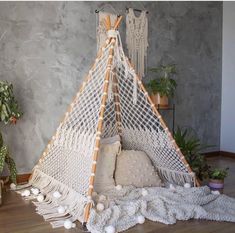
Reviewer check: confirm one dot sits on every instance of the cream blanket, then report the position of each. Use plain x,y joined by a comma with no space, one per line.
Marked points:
161,205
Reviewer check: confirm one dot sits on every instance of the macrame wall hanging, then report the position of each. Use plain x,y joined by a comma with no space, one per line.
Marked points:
101,34
137,40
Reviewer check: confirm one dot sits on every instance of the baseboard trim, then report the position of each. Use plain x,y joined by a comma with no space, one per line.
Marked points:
21,178
212,154
227,154
220,153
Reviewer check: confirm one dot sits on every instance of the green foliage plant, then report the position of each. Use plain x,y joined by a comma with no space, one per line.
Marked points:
9,113
218,174
162,83
192,148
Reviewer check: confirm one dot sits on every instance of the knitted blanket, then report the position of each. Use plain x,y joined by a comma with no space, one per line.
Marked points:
127,207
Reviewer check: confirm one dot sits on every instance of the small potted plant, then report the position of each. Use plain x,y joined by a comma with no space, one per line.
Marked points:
9,113
162,86
216,178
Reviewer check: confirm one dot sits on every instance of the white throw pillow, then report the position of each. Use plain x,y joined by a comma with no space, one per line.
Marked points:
104,177
135,168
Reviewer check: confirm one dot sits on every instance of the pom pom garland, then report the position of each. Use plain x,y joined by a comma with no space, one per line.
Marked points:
12,186
35,191
26,193
94,194
118,187
61,209
215,192
57,194
187,185
110,229
100,206
172,187
140,219
102,198
40,198
68,224
144,192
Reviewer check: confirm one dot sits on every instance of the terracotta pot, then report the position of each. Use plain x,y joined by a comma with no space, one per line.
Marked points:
216,185
162,101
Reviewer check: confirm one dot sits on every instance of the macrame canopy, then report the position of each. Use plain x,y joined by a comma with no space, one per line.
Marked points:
112,100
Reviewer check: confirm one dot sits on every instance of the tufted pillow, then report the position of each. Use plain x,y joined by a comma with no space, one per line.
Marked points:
105,167
135,168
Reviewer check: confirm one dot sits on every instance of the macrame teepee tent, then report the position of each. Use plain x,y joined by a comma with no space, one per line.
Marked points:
111,101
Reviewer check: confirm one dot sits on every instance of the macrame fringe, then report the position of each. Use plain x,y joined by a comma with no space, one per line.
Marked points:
176,177
73,201
137,40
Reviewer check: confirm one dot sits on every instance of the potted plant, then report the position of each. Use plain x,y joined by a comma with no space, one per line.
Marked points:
162,86
9,113
216,178
192,148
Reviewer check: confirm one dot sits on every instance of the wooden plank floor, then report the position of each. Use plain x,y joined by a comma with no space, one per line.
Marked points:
18,215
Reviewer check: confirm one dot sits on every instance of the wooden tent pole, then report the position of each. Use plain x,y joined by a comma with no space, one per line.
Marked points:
98,131
163,124
86,80
117,103
100,122
118,21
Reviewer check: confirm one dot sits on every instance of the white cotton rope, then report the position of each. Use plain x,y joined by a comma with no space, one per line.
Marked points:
112,33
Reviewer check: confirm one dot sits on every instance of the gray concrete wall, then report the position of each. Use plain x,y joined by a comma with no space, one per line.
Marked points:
47,47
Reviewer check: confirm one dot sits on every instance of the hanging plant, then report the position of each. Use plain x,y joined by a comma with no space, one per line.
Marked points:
9,113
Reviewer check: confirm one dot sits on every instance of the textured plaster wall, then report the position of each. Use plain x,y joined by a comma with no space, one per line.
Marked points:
47,47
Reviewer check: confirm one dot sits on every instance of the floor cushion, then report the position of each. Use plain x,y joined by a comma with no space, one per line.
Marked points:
135,168
104,177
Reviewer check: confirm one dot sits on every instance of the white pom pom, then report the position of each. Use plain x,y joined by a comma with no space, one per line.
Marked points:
140,219
172,187
144,192
118,187
73,225
102,198
26,193
68,224
61,209
35,191
94,194
215,192
40,198
187,185
12,186
100,206
56,194
110,229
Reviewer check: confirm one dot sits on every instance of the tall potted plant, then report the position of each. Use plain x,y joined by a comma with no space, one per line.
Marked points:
163,85
9,113
192,149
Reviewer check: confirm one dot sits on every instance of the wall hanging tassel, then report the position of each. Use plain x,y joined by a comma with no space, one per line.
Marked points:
137,40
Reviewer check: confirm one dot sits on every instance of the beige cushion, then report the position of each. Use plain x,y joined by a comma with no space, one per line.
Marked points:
104,177
135,168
